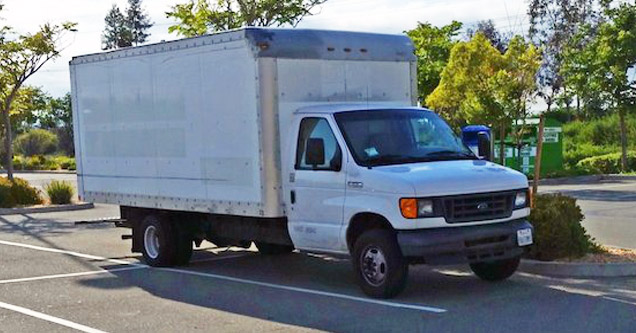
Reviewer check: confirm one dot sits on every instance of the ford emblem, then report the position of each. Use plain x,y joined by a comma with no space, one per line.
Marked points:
482,206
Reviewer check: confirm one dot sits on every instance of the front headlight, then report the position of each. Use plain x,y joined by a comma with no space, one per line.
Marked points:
521,200
413,208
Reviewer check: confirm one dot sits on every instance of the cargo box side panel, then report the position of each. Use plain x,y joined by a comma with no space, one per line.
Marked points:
176,130
311,82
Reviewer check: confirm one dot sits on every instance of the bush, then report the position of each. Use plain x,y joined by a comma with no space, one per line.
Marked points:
558,232
41,162
6,199
18,192
36,142
608,164
60,192
25,194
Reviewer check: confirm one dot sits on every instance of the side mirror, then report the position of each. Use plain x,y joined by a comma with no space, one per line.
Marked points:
315,152
483,146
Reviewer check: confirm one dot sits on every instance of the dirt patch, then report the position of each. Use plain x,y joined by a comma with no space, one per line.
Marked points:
611,255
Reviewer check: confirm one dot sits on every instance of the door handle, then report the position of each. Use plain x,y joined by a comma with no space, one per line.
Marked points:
292,195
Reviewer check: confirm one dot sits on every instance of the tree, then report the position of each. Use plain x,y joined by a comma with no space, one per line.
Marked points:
599,70
552,24
201,17
482,85
487,27
432,47
137,22
116,33
20,58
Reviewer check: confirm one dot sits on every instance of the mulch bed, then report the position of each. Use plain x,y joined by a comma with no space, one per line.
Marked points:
612,255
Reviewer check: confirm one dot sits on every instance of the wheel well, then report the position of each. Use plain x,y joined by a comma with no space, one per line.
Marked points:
362,222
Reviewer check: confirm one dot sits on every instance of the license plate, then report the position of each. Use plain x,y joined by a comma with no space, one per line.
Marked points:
524,237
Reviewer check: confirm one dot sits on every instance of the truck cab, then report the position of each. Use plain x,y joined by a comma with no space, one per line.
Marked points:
392,186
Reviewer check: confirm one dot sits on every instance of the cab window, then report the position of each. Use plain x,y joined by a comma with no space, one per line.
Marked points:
317,147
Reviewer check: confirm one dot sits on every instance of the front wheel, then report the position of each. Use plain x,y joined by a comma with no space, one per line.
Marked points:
380,268
497,270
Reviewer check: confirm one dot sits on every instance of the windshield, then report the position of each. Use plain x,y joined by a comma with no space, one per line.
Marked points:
385,137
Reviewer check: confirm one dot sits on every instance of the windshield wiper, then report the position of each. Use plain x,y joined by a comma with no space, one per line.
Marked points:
391,159
452,154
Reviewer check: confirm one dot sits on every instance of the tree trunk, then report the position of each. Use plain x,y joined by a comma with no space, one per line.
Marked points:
537,159
502,144
8,147
621,113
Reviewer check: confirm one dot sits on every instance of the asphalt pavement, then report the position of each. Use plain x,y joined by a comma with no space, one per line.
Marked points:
609,207
57,276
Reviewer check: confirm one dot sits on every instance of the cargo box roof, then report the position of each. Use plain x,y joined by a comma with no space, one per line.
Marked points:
285,43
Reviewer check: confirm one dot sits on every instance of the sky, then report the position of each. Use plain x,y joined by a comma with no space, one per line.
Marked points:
384,16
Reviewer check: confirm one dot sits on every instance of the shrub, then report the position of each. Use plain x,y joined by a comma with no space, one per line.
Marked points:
608,164
41,162
36,142
558,232
6,199
60,192
24,194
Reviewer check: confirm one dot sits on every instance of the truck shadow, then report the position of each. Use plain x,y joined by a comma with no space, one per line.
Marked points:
451,288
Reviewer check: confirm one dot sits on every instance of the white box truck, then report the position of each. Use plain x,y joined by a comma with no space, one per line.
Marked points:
291,139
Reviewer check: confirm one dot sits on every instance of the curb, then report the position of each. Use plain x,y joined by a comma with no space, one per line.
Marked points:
46,209
581,270
583,179
64,172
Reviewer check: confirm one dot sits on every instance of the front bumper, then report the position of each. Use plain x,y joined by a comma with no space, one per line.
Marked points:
455,245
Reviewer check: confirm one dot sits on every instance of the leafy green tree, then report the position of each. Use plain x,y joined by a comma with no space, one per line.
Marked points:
482,85
200,17
20,58
599,71
137,22
553,23
432,47
116,33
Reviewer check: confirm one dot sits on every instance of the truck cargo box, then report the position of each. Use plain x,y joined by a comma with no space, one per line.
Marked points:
197,124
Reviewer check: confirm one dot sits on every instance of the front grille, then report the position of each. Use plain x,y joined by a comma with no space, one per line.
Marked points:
478,207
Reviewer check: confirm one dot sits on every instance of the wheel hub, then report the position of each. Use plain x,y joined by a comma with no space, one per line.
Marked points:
373,264
151,242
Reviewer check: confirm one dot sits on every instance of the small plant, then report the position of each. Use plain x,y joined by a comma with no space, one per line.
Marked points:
6,199
557,229
24,194
60,192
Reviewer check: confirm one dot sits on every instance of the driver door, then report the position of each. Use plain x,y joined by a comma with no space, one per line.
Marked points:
316,187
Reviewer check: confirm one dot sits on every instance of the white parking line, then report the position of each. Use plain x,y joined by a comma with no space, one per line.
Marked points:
71,253
60,276
309,291
48,318
239,280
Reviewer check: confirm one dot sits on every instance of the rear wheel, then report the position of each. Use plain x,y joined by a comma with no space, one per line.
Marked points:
158,246
380,268
497,270
273,249
164,243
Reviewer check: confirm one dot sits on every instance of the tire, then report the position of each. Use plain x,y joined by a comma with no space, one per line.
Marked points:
380,268
158,244
273,249
496,271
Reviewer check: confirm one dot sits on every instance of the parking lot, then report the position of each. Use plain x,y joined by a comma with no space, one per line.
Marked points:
59,276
